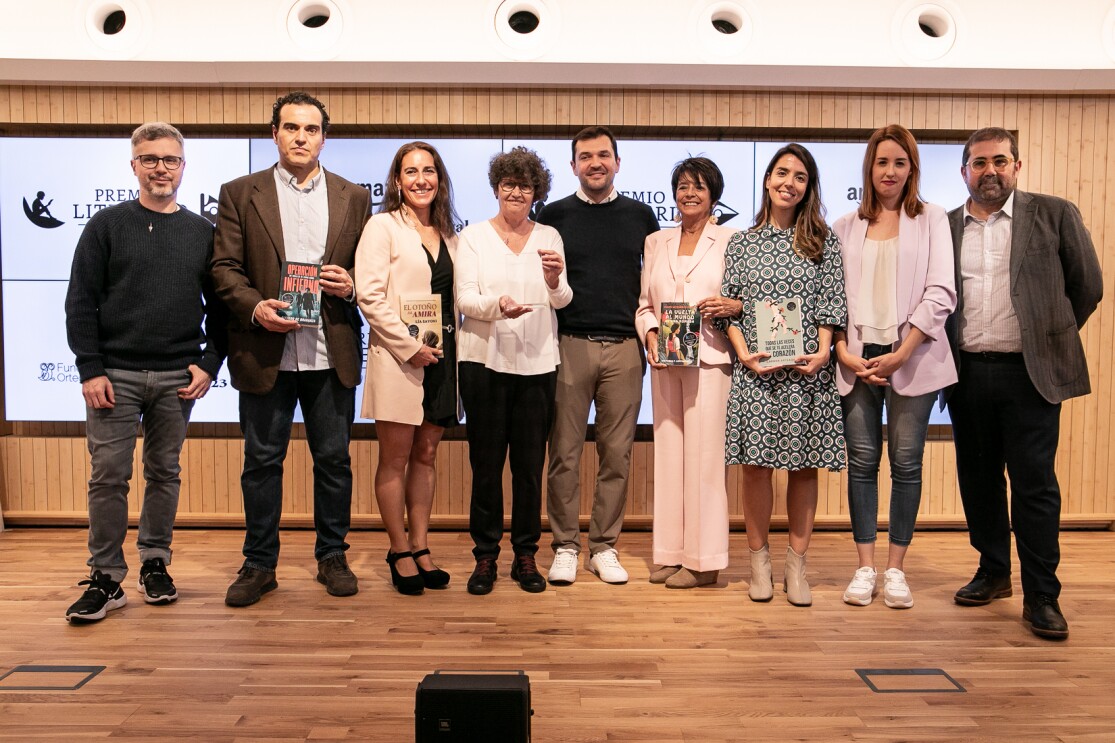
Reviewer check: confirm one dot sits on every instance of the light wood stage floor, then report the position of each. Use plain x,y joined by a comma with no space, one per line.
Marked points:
606,663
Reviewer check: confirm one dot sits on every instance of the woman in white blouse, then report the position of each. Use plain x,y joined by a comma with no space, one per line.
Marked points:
510,277
898,275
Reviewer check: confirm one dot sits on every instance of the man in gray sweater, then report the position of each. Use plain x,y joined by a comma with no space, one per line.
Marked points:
134,315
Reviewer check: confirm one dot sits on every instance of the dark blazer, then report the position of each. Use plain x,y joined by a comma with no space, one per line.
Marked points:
248,252
1055,286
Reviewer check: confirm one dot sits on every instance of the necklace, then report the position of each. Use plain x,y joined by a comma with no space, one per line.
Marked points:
508,237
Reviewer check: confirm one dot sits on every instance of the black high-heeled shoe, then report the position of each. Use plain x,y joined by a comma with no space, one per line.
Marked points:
436,578
408,585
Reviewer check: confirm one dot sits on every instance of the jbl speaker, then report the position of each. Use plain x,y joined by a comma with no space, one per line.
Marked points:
464,707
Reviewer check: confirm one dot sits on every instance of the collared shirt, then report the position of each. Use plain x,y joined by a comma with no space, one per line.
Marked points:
988,321
610,197
304,212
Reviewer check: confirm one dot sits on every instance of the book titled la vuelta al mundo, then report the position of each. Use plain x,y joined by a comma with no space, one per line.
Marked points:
300,287
679,334
778,330
421,313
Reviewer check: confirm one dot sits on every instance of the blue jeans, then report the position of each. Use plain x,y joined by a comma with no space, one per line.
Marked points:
328,408
907,423
150,397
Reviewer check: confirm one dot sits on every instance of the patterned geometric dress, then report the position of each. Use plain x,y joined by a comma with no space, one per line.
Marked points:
784,419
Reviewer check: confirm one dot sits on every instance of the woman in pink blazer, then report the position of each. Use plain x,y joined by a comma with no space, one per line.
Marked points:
686,264
898,275
408,250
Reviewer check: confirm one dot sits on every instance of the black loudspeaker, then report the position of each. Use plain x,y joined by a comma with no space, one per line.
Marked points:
463,707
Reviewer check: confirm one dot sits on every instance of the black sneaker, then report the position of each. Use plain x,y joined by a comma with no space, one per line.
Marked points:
102,596
525,573
155,582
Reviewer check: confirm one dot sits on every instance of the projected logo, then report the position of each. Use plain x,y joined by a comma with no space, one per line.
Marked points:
60,372
207,207
38,212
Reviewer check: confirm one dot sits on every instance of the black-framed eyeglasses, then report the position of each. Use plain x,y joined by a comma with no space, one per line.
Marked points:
1000,163
509,186
172,162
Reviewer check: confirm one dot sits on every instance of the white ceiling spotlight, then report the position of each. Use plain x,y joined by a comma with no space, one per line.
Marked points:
924,32
117,26
526,29
316,27
724,29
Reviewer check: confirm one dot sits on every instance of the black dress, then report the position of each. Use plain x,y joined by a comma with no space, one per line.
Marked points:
439,383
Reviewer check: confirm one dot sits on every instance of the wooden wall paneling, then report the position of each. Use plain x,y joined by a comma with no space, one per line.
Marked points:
1064,142
53,480
1103,228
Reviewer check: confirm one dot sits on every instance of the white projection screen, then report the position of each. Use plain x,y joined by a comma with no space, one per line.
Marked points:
43,209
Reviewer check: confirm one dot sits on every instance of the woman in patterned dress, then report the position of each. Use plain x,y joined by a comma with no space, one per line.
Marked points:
785,417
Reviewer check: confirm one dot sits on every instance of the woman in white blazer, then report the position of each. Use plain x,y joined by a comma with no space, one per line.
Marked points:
686,264
407,250
898,276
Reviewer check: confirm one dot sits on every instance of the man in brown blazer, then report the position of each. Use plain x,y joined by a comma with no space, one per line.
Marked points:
294,211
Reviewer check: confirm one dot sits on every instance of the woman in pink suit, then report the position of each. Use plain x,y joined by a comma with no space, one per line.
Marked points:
898,274
686,264
408,249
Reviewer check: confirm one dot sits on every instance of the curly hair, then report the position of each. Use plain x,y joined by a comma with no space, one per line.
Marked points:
299,98
520,164
443,216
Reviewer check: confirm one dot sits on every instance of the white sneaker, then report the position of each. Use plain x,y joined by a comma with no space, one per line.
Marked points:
606,565
862,589
563,570
896,594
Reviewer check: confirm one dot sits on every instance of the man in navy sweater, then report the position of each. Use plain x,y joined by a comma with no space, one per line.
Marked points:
134,313
601,358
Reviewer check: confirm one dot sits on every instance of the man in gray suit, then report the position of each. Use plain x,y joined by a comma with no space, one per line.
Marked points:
1027,279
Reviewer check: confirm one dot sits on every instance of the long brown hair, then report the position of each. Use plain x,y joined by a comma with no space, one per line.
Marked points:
442,214
870,207
810,228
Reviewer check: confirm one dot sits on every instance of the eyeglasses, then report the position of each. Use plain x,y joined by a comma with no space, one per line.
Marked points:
509,186
1000,163
150,161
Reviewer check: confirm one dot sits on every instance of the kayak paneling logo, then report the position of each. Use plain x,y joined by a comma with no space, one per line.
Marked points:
38,212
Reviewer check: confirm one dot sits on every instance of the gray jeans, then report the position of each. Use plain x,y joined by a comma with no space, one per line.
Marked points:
150,397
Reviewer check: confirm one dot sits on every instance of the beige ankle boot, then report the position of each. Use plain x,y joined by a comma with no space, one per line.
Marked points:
686,578
762,585
795,584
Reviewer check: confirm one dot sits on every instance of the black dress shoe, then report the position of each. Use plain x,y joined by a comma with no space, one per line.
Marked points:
408,585
483,577
436,578
525,573
1044,615
984,588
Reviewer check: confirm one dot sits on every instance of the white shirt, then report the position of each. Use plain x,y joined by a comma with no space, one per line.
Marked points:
487,269
610,197
304,213
988,321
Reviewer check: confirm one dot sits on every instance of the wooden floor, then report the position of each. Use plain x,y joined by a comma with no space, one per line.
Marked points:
606,663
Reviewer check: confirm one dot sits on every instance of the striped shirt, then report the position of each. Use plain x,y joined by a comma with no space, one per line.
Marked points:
988,321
